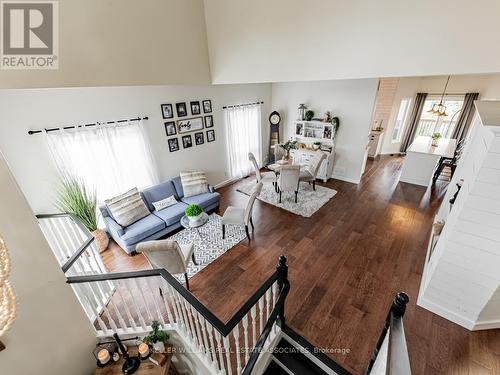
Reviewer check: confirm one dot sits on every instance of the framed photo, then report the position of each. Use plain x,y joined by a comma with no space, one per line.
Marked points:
209,121
207,106
173,144
195,108
167,111
181,109
170,128
187,141
199,139
189,125
210,135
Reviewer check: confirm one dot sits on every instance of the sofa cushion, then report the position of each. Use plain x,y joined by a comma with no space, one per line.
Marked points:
178,186
141,229
172,214
127,208
204,200
194,183
158,192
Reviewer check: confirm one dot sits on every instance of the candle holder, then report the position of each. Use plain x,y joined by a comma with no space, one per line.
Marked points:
101,349
131,364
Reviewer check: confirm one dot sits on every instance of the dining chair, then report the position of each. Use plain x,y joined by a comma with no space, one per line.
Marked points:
310,173
261,176
279,152
168,254
289,179
241,215
449,162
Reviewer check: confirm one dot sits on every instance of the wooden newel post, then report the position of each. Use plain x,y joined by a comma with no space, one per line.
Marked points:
399,304
282,269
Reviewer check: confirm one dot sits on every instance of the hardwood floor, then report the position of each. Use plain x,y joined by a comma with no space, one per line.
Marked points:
346,263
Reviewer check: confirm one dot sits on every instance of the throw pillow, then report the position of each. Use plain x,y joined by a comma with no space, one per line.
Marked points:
193,183
164,203
127,208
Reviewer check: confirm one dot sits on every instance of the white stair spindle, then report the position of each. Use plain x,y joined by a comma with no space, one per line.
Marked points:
141,293
130,289
268,303
227,350
121,321
175,306
125,305
172,321
236,334
198,328
244,323
100,322
191,322
205,338
152,289
261,314
253,314
213,349
182,311
219,351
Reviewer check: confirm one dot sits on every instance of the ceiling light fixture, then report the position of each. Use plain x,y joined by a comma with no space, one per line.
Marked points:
440,109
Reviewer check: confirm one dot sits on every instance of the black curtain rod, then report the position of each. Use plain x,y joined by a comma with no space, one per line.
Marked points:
241,105
31,132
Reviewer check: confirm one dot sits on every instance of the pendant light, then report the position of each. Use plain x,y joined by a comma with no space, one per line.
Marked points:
440,109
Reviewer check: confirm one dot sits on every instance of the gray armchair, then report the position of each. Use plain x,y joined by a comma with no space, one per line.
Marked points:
240,215
289,179
310,173
169,255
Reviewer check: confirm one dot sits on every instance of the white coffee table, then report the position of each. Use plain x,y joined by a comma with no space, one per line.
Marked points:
195,225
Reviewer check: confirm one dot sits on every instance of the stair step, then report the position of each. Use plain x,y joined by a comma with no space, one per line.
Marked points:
274,369
294,360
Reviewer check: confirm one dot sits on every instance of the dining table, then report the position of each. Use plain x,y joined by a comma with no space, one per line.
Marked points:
276,167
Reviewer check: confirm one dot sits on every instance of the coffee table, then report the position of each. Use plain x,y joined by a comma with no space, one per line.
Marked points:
195,225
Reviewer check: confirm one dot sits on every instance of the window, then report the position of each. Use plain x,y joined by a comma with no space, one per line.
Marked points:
430,123
243,136
397,132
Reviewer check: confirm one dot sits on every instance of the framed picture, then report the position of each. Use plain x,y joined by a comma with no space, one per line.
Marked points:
195,108
187,141
207,106
209,121
167,111
170,128
173,144
181,109
199,139
189,125
210,135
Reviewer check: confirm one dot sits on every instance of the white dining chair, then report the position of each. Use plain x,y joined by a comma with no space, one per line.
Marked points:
168,254
261,176
310,173
241,215
289,179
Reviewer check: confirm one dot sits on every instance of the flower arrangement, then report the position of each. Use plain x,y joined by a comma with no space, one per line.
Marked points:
287,146
193,212
435,138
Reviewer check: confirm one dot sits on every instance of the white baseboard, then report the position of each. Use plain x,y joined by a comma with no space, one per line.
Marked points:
447,314
346,179
226,182
487,324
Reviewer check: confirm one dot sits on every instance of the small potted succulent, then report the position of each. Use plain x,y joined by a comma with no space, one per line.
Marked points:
316,145
435,138
309,115
289,145
194,212
157,337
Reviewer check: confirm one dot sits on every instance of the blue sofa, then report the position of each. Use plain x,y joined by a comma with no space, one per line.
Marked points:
158,223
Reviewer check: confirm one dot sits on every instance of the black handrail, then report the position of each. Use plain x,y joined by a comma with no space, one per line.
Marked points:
223,328
396,312
71,260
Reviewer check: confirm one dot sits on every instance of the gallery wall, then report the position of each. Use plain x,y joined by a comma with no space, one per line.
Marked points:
284,40
29,159
351,100
124,42
48,310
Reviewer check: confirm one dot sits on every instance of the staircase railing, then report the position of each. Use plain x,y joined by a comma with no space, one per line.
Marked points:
391,353
128,302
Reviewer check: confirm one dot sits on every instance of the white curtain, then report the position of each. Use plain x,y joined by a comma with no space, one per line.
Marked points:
243,135
111,158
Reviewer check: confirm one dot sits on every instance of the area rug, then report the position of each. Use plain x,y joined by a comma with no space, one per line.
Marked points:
308,200
208,245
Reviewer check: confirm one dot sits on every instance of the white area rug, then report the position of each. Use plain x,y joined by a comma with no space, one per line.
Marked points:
308,200
208,245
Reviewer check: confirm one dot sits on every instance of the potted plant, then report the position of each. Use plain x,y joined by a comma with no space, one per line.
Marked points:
194,212
289,145
76,199
435,138
157,337
309,115
316,145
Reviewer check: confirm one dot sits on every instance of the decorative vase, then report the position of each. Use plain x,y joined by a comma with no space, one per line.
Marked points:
101,239
195,218
315,146
159,347
434,142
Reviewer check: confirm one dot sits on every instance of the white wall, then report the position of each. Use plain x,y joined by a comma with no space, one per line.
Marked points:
21,110
487,85
292,40
124,42
51,330
351,100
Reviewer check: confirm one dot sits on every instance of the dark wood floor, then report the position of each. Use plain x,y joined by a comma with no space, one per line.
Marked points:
346,263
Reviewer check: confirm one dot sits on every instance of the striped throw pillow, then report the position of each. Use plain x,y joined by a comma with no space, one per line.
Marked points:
193,183
127,208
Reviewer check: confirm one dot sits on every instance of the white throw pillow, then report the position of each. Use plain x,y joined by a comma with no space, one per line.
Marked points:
127,208
194,183
164,203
